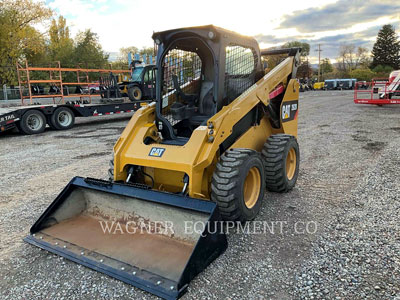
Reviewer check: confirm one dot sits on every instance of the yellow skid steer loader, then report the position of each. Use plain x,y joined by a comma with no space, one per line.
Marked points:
220,132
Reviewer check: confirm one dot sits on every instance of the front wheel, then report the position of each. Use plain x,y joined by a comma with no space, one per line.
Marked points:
238,184
281,159
32,122
135,93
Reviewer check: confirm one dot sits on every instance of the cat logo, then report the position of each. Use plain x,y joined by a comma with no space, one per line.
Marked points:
157,152
289,110
285,112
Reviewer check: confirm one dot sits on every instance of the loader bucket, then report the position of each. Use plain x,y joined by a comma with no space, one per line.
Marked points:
142,237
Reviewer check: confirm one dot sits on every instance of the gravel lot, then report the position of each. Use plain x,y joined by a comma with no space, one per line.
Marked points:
347,193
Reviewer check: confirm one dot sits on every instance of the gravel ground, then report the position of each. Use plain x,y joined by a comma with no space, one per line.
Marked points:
347,193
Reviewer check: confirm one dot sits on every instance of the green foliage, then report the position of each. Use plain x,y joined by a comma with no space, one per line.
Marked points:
326,66
363,74
89,51
20,40
386,50
61,46
18,37
304,70
305,47
382,71
147,50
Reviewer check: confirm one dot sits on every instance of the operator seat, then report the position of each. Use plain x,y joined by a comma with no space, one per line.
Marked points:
206,104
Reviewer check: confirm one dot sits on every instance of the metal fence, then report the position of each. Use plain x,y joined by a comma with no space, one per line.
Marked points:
7,93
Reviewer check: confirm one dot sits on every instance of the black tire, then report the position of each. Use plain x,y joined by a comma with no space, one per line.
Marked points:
135,93
279,173
231,188
62,119
48,118
32,122
111,170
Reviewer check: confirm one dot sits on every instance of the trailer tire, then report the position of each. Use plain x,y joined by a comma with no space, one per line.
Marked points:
135,93
281,159
62,119
32,122
238,184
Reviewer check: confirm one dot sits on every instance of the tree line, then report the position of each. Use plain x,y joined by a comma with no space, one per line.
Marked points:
357,62
20,41
352,61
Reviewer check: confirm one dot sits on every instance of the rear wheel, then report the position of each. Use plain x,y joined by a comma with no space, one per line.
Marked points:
32,122
135,93
238,184
281,159
62,119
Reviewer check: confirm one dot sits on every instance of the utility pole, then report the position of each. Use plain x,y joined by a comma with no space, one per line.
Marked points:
319,61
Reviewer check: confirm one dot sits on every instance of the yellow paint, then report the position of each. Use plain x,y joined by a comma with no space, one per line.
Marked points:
198,157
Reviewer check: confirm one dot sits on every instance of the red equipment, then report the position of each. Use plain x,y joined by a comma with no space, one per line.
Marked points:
379,92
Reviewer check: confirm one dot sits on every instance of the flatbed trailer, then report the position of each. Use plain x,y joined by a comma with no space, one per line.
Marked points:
32,119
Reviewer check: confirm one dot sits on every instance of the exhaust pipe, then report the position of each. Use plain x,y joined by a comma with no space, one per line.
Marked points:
142,237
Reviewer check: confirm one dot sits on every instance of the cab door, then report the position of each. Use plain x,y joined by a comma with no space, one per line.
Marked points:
149,83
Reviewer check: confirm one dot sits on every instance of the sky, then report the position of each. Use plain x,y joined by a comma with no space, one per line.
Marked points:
331,23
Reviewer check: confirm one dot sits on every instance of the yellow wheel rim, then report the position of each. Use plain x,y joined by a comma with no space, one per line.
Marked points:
251,188
291,164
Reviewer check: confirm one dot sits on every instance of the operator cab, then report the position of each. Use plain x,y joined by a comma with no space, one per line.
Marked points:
201,69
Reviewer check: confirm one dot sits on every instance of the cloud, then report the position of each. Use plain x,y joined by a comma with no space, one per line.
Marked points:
340,15
123,23
330,44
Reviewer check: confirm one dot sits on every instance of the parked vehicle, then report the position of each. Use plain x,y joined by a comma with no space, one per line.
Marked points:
319,86
330,84
32,119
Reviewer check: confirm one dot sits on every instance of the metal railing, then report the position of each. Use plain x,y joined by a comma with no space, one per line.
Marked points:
8,93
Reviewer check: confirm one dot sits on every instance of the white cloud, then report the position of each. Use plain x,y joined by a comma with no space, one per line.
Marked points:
122,23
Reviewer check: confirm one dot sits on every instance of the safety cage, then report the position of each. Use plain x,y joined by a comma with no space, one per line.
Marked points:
191,89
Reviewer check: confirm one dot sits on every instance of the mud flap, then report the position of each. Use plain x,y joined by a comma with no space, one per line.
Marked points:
142,237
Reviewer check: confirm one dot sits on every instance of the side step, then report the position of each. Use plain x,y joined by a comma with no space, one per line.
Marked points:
135,235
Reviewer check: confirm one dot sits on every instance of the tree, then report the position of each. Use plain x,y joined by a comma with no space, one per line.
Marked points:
61,45
362,74
386,50
89,51
123,53
382,71
18,37
147,50
304,70
352,57
305,47
326,66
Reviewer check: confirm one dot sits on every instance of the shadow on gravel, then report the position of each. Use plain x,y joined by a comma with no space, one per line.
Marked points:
110,142
374,146
112,127
85,131
101,134
358,138
92,155
102,121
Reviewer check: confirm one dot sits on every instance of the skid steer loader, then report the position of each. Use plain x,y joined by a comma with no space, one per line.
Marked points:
220,132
